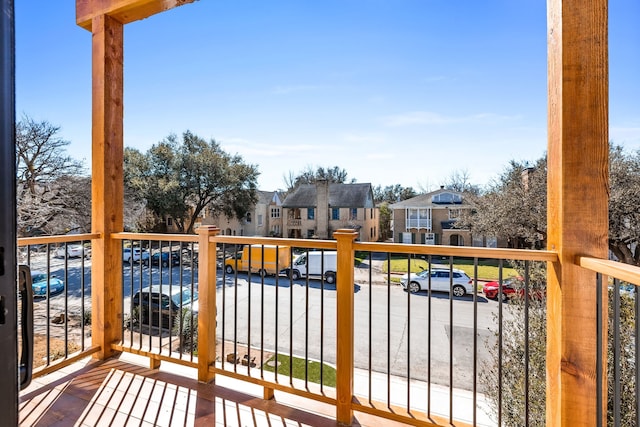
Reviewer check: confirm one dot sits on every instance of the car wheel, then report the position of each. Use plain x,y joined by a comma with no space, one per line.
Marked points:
295,274
414,287
128,260
228,269
505,297
262,272
165,263
330,278
459,291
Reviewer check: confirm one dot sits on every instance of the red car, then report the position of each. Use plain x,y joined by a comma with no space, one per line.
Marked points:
491,289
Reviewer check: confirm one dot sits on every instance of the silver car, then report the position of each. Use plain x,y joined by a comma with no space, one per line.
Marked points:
440,281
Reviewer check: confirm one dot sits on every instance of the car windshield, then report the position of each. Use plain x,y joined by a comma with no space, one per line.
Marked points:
39,277
423,273
186,297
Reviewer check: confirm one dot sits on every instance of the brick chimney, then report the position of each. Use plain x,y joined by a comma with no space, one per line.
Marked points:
322,209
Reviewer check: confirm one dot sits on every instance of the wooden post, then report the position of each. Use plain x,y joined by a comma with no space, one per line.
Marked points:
206,301
107,183
344,325
577,203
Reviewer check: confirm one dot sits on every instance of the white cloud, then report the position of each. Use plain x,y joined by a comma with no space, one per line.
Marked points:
431,118
369,138
625,135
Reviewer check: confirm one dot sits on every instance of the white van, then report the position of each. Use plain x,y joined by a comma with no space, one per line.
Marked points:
320,264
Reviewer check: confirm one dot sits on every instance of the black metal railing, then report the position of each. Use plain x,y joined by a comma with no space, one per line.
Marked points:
61,279
160,297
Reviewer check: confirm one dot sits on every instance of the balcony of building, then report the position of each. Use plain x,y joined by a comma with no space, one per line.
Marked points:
361,323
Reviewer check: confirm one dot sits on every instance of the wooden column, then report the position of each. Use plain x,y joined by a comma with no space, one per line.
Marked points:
577,202
107,185
206,301
344,324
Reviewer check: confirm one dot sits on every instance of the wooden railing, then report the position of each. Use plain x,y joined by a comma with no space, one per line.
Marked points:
618,340
211,283
64,353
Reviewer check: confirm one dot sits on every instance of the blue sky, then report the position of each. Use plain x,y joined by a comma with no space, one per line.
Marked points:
393,91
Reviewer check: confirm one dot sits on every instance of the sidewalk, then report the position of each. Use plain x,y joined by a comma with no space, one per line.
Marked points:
462,399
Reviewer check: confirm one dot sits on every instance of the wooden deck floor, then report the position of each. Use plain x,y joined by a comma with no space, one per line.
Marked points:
124,392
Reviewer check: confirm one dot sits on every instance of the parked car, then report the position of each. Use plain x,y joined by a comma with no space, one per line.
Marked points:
134,254
73,251
164,259
511,287
440,281
164,302
39,284
491,290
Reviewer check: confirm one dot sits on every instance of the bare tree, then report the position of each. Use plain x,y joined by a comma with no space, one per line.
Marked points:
309,176
44,172
460,181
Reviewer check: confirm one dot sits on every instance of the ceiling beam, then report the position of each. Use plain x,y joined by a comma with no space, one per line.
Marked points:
124,11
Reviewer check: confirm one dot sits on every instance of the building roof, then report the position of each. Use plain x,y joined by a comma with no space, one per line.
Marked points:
340,196
267,197
428,200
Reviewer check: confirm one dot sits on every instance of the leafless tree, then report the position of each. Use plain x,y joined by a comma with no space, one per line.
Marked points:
47,180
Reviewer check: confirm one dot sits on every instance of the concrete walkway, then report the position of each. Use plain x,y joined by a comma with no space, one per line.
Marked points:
440,397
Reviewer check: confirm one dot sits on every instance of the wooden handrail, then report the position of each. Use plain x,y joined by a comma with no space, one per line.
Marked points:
43,240
156,236
459,251
628,273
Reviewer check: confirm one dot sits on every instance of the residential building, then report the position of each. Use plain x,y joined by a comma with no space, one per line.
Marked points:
265,219
429,219
315,211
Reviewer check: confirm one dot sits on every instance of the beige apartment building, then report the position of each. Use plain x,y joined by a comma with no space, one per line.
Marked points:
429,219
315,211
264,220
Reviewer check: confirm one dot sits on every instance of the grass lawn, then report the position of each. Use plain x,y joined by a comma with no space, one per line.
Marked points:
313,374
487,269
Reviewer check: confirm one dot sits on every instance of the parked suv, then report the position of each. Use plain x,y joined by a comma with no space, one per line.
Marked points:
163,258
134,254
440,281
164,303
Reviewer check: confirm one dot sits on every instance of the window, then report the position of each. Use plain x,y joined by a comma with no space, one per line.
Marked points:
311,234
454,213
335,213
260,221
275,212
353,214
169,222
418,218
248,216
310,213
446,199
275,230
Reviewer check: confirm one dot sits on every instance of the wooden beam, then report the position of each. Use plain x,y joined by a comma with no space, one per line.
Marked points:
107,183
207,313
577,202
124,11
345,238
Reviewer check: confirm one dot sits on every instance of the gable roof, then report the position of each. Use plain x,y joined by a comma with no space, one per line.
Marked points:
426,200
268,197
340,196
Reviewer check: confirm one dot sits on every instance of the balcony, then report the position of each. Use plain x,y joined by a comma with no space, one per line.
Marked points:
357,338
392,359
419,223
